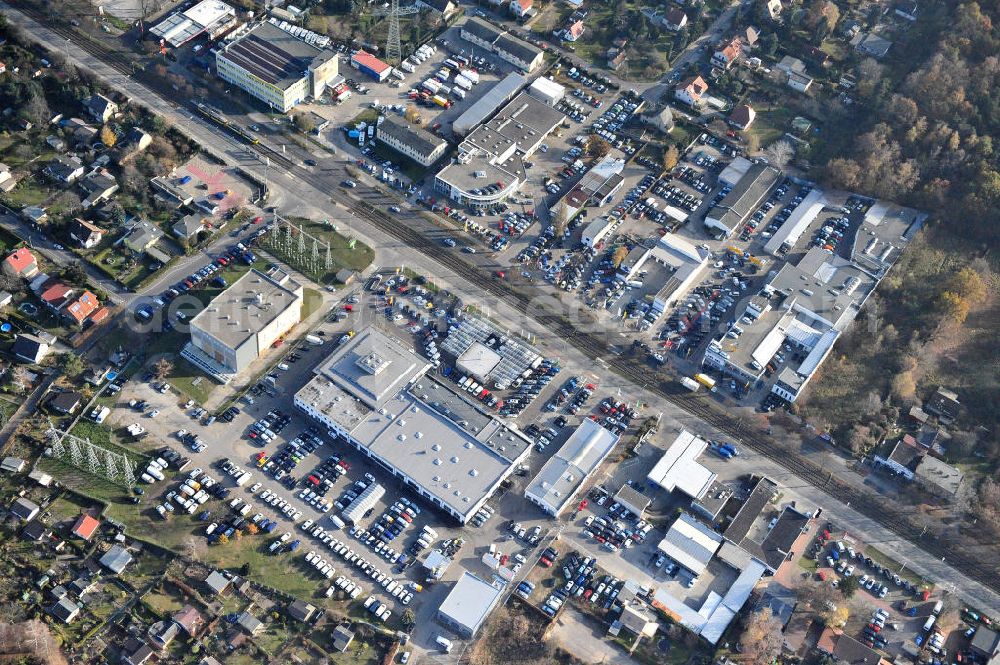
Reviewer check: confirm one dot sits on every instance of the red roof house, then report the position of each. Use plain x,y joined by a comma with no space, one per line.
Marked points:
21,263
85,527
56,295
81,309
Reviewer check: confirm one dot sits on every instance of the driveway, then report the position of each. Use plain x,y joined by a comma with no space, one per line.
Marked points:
577,635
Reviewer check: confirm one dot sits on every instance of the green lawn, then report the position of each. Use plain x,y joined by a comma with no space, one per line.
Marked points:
190,381
29,192
286,572
808,563
366,115
771,124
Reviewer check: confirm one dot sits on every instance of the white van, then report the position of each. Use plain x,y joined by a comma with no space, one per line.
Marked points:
444,643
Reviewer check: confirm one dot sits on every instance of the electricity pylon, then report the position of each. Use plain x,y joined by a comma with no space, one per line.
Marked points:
393,48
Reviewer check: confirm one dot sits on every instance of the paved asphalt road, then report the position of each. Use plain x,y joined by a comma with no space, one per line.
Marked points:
390,251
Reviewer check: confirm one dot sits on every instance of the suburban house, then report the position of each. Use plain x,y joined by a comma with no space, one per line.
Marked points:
873,45
142,236
520,7
799,82
83,308
217,583
189,226
574,31
342,638
64,169
85,234
24,509
742,117
100,108
21,263
65,610
728,53
116,559
55,294
189,620
616,58
773,9
249,623
674,19
690,91
66,402
944,404
5,176
55,143
30,348
98,186
35,214
85,527
300,610
134,142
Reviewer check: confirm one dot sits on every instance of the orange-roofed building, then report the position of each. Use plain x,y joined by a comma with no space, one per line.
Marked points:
85,527
81,309
21,263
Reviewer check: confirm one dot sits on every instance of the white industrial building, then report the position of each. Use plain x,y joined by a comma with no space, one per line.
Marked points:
595,232
242,322
211,18
518,52
546,90
565,473
468,605
679,468
484,107
418,144
686,264
375,394
690,543
367,500
478,361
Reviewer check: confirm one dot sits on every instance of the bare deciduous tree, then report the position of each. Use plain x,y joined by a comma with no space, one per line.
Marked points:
761,638
779,153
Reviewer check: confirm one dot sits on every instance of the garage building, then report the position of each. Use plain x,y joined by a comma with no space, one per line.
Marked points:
690,544
679,469
468,605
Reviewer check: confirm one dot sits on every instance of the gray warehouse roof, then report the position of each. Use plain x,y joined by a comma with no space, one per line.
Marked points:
247,307
566,471
518,48
470,602
748,193
485,106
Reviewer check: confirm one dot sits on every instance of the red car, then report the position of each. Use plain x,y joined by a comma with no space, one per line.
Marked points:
258,219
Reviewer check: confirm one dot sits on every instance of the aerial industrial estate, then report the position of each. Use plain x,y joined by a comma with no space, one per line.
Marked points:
474,333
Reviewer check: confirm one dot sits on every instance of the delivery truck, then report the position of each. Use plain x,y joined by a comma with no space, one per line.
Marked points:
690,384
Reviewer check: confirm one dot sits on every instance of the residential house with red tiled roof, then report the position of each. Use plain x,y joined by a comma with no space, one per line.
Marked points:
56,295
81,309
728,53
85,527
21,263
574,31
520,7
690,90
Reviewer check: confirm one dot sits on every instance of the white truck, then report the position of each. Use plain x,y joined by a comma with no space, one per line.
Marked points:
314,340
690,384
444,643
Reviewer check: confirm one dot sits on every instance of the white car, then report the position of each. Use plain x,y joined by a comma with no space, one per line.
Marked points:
285,537
254,488
307,524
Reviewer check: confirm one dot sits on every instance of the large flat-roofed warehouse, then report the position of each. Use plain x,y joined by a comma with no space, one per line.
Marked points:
211,18
242,322
418,144
374,393
679,469
751,190
488,167
275,67
562,477
468,604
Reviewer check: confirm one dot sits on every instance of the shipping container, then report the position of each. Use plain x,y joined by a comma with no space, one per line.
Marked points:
441,101
690,384
705,380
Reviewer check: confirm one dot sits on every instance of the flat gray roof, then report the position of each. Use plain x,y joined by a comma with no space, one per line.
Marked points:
523,122
372,366
501,93
465,175
470,601
246,307
748,193
411,422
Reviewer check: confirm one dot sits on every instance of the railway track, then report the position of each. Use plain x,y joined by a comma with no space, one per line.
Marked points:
866,503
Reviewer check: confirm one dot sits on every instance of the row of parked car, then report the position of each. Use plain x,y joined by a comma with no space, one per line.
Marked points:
530,388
